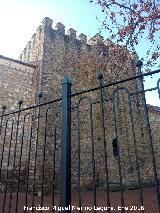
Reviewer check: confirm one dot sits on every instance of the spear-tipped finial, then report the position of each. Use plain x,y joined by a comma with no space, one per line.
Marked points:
99,76
139,63
20,102
4,107
40,94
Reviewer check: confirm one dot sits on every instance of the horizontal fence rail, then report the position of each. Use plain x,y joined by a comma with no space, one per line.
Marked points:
29,162
94,150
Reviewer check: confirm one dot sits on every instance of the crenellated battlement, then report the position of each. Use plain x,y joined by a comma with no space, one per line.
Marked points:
45,29
57,52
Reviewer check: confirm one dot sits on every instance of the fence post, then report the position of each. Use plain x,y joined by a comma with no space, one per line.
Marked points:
65,164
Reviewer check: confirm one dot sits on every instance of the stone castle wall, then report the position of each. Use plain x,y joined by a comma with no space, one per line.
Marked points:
56,54
16,83
154,118
65,54
59,54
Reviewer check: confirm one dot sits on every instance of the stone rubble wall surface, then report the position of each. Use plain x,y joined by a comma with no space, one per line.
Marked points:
65,54
16,84
56,54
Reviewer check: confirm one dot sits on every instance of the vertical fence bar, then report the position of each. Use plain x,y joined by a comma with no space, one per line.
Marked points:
139,65
54,169
79,157
28,163
44,157
119,151
3,110
65,170
8,159
20,102
36,149
91,135
20,159
100,78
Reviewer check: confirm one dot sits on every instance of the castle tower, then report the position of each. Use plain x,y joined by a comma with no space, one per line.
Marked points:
54,54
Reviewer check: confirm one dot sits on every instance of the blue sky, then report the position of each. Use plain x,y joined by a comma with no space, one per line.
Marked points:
19,19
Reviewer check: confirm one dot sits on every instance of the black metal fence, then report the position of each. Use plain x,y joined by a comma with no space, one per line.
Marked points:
96,150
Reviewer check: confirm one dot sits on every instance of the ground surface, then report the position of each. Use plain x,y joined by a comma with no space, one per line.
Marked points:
131,201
